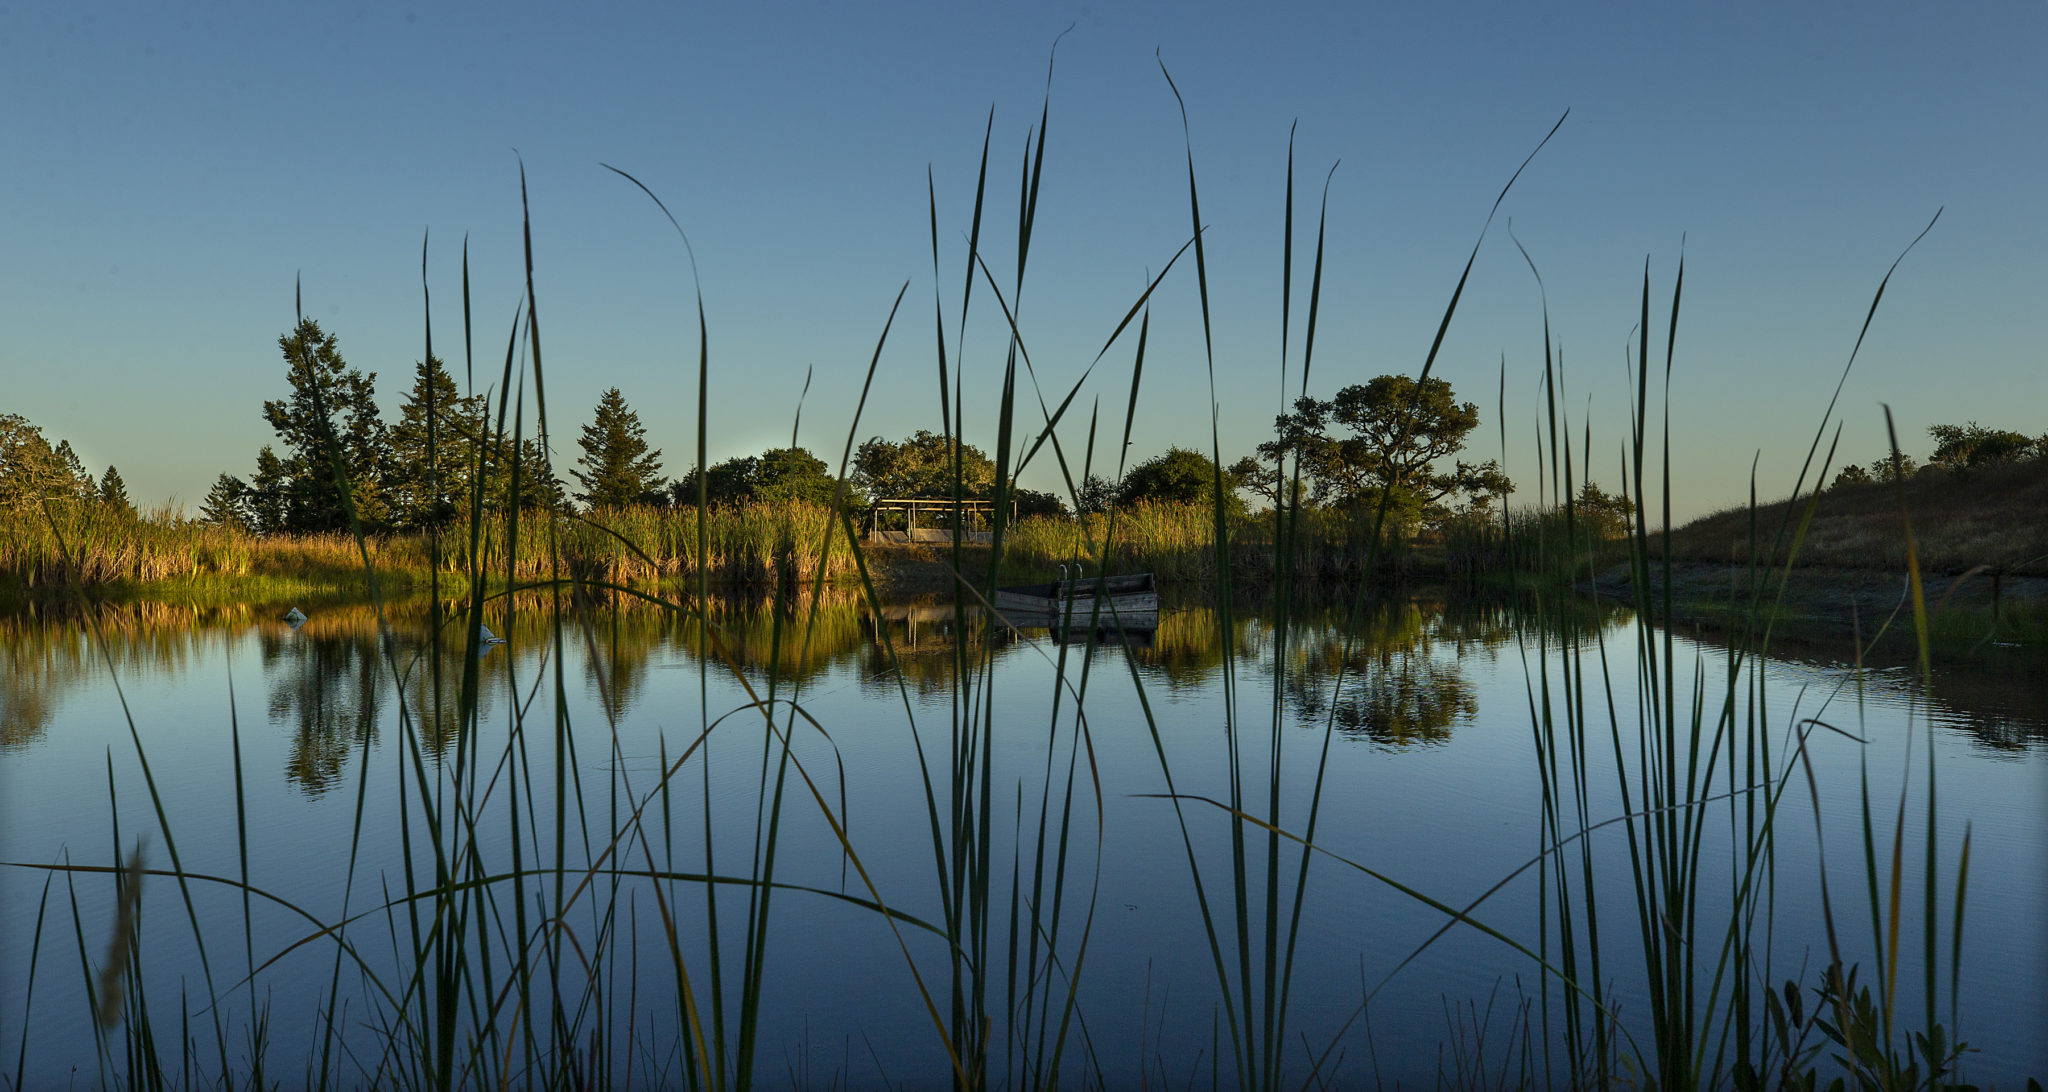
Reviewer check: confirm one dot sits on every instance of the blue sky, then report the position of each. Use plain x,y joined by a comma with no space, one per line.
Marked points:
173,168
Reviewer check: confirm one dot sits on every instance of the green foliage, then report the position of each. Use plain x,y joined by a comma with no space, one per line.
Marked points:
794,474
1032,502
1549,541
330,403
32,471
226,504
1786,1046
79,482
539,488
1098,493
1180,476
1390,431
458,1018
436,448
113,494
1966,447
725,483
268,500
1602,515
618,467
1889,471
778,474
1860,1032
1851,477
752,545
922,466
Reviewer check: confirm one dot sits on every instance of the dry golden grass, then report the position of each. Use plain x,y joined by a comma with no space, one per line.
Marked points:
83,547
1177,542
1993,516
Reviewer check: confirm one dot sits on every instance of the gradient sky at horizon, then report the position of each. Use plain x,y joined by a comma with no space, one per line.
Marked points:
173,168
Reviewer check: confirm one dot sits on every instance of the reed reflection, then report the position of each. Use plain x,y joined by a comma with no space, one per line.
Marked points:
328,684
928,640
797,642
50,652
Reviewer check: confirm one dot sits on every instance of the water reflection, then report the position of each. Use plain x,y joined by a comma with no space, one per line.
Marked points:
1999,697
1402,682
51,654
327,682
327,687
1400,696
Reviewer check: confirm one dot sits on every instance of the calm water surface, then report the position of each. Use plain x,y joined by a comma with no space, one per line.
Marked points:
1429,779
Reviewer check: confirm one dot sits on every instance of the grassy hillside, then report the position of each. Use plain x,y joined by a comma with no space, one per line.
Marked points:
1995,517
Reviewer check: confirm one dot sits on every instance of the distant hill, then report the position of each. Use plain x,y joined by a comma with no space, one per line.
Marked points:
1992,516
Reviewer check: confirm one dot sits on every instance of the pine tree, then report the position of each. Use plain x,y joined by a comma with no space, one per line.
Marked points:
74,481
330,401
539,486
226,504
366,452
268,502
114,494
434,450
620,469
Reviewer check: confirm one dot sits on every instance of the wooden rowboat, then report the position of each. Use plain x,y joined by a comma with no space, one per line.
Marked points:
1107,601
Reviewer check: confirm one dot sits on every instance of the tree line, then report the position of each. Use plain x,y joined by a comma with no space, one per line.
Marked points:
334,455
1390,435
1958,449
420,471
33,473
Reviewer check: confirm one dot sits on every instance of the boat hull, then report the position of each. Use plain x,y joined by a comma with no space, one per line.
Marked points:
1128,601
1039,618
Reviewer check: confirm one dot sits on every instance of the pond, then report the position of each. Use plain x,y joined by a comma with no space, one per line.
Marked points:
1057,803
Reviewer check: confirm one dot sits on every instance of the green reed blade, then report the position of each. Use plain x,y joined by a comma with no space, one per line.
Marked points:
28,992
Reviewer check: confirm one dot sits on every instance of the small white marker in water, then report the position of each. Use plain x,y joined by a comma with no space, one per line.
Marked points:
295,618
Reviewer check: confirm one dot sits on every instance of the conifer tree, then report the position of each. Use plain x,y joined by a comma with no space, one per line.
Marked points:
619,469
435,449
269,500
74,481
113,493
539,486
329,400
226,504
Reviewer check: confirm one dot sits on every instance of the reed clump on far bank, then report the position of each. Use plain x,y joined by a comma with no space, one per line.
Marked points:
85,548
755,545
65,546
1177,543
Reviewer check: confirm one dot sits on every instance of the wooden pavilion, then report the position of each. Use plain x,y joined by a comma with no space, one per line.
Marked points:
903,520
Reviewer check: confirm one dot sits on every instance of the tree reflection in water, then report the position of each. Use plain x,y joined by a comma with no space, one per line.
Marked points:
328,688
1401,683
46,653
328,684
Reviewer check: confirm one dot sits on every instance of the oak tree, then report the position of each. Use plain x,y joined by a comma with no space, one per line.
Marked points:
1390,432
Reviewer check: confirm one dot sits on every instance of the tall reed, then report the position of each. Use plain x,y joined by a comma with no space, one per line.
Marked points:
1699,739
756,544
